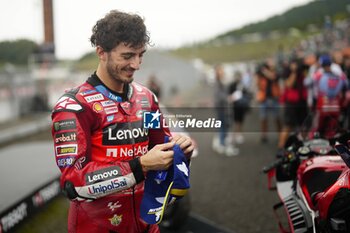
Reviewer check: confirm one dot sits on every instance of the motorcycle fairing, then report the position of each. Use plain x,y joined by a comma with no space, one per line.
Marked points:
299,219
341,190
317,174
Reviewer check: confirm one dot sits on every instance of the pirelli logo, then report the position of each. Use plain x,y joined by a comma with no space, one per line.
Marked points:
71,149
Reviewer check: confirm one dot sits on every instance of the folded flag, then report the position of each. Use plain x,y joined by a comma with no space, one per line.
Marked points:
181,182
165,187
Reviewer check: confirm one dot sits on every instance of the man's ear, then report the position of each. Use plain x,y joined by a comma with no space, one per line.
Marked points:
101,53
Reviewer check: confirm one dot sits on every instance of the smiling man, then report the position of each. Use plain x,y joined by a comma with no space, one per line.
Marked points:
103,165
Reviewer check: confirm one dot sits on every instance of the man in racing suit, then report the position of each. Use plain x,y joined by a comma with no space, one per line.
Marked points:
330,88
101,145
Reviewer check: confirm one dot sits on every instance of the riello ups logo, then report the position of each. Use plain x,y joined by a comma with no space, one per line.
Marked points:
124,133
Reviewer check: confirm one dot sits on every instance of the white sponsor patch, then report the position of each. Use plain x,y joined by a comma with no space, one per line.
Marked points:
107,187
108,103
93,98
111,110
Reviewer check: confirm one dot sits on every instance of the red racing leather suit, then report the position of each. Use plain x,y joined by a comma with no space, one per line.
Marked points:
98,138
330,91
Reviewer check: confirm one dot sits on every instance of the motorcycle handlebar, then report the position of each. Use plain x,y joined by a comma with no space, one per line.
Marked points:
275,164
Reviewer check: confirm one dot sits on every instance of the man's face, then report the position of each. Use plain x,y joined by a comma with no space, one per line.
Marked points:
123,61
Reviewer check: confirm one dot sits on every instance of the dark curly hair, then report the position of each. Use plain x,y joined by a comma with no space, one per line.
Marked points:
119,27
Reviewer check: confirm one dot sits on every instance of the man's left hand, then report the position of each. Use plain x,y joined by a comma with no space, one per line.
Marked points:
185,142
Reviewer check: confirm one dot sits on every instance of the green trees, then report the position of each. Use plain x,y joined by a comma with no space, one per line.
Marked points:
17,52
297,17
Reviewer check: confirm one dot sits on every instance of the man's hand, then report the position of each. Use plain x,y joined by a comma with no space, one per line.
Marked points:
185,142
160,157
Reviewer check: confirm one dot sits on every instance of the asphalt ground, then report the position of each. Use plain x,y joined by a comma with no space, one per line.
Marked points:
230,192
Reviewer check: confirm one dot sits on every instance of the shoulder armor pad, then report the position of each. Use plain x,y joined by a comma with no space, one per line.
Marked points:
68,102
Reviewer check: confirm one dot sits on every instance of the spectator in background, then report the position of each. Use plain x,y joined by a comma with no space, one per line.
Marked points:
220,144
339,68
346,67
153,85
314,66
330,86
239,97
267,96
294,98
247,79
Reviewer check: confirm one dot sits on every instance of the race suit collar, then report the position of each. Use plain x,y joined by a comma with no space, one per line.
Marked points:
96,82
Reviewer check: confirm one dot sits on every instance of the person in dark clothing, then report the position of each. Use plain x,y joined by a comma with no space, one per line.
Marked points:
240,99
267,96
295,100
153,85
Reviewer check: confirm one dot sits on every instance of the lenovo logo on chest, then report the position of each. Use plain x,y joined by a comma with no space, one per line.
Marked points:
124,133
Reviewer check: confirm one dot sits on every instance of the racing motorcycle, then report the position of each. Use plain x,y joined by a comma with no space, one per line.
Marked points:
312,180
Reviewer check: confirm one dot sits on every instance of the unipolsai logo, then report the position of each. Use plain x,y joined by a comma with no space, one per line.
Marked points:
151,120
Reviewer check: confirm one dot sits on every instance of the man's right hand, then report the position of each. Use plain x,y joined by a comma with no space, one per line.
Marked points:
160,157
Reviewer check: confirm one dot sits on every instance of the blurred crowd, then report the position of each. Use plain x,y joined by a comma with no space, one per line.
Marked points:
302,90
